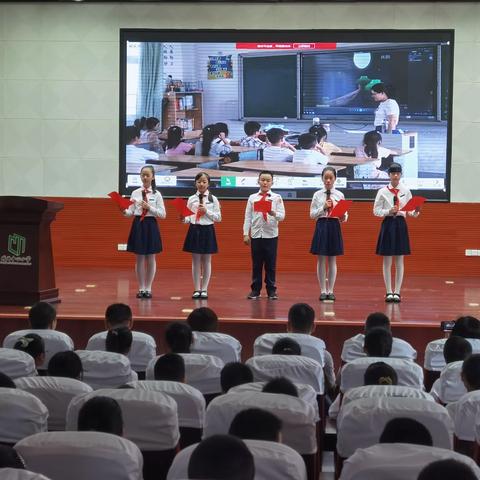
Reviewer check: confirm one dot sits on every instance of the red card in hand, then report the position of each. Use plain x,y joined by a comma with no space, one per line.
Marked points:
123,203
413,203
341,208
180,205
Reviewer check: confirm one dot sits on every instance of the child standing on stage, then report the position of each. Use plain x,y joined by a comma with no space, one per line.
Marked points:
144,239
263,230
393,241
327,240
201,241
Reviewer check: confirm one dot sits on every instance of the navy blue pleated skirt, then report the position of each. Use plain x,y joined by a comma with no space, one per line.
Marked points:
144,238
327,239
393,237
200,239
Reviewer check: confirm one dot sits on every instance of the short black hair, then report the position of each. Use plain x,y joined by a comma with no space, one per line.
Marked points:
274,135
171,367
301,317
179,337
286,346
306,141
377,319
251,127
380,87
101,414
119,340
265,172
65,364
456,348
318,131
394,168
221,457
467,327
203,319
380,373
9,458
471,371
118,314
233,374
406,430
446,470
378,342
6,381
31,343
42,315
131,133
281,385
256,424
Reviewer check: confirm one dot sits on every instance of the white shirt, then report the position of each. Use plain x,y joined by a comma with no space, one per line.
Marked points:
254,222
386,108
277,154
310,157
155,200
319,199
384,200
138,156
213,213
382,152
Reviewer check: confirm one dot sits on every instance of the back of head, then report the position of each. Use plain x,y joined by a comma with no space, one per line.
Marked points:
389,90
42,316
406,430
319,132
275,135
221,457
380,373
256,424
9,458
6,381
101,414
251,127
281,385
377,319
203,319
32,344
119,340
456,349
378,342
151,123
286,346
446,470
171,367
467,327
301,318
220,127
471,372
65,364
179,337
233,374
307,141
371,141
118,315
131,133
174,136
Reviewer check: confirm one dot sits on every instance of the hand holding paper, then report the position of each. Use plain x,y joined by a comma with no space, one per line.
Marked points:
180,205
413,204
123,203
341,208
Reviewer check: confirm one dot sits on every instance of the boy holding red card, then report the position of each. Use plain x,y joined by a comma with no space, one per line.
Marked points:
260,230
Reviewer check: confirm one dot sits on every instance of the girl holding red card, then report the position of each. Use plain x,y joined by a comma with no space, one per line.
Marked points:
144,239
393,241
327,240
201,241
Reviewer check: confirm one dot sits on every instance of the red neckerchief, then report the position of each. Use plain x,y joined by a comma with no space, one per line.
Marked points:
264,199
145,199
394,192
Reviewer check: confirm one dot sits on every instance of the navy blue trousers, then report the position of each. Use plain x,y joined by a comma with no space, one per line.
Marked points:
264,255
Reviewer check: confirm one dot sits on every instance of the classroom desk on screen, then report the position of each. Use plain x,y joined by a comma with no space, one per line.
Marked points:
186,161
159,169
279,168
214,174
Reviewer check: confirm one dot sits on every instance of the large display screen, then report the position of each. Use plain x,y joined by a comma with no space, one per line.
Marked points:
289,81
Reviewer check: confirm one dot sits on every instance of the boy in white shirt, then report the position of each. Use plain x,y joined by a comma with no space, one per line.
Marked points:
308,154
279,150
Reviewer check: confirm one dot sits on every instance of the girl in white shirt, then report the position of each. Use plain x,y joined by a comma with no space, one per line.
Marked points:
371,148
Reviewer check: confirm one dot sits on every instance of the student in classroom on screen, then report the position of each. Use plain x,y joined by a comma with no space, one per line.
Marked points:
308,154
136,156
371,148
174,144
215,141
323,146
278,149
252,130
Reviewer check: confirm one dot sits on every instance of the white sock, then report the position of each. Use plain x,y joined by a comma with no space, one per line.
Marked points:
197,270
150,271
322,273
398,273
206,271
387,277
140,271
332,273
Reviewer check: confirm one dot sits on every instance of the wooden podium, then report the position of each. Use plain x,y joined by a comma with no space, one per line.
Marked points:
27,273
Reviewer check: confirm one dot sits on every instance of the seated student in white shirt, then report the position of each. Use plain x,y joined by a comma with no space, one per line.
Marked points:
279,150
136,156
371,149
252,130
308,153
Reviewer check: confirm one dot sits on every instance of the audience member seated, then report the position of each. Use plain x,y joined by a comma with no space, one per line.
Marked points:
308,153
16,364
6,381
179,337
252,130
150,136
256,424
174,144
281,385
34,345
144,348
170,367
450,387
324,147
101,414
286,346
406,430
380,373
9,458
65,364
353,347
234,374
119,340
278,149
43,321
446,470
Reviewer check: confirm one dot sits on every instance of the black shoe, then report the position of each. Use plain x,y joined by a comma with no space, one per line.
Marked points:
389,297
203,295
397,298
196,294
253,295
323,297
140,294
273,296
331,296
147,294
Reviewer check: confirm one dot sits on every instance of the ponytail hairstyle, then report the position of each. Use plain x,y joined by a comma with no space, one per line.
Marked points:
319,132
154,185
370,141
174,137
119,340
32,344
380,373
208,135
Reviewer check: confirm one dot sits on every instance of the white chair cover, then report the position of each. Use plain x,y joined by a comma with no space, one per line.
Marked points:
464,413
312,347
82,455
190,401
361,422
21,414
54,342
149,418
217,344
201,371
19,474
397,461
305,392
434,359
353,348
297,368
298,417
409,373
450,387
105,369
55,393
272,461
143,348
16,364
